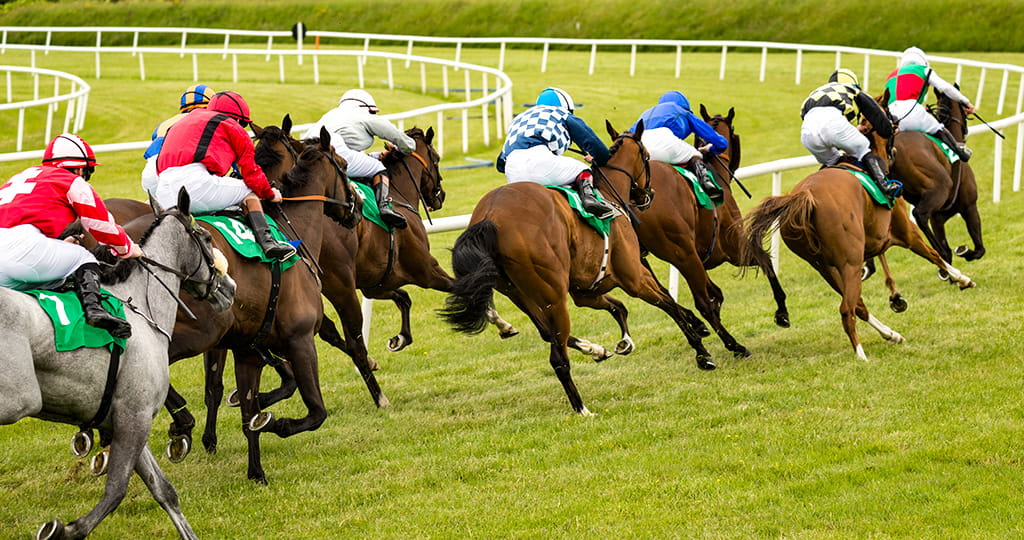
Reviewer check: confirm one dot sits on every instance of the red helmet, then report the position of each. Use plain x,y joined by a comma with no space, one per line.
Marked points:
69,151
231,104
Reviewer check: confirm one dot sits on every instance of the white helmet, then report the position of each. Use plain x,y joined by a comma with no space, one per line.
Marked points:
913,56
362,97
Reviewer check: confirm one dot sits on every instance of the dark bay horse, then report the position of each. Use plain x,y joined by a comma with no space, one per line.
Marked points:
937,189
728,245
830,221
526,242
68,387
259,331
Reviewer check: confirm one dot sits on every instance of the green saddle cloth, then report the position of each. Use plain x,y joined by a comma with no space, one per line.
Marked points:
602,226
370,209
69,328
950,154
239,235
872,189
702,197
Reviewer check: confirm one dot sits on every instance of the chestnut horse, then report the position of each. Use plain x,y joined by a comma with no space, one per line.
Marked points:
526,242
937,189
830,221
258,332
727,245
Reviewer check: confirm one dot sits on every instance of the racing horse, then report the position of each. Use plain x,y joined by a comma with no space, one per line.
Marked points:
937,189
727,246
829,220
525,241
263,328
70,386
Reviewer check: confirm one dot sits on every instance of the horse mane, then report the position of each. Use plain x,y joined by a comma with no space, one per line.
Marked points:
299,175
115,269
396,156
265,156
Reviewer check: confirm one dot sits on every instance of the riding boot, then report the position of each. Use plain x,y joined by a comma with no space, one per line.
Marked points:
585,187
271,247
961,149
389,215
706,182
876,168
87,286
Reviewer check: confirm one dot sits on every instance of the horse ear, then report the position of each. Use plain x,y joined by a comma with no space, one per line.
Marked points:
286,124
429,136
639,128
730,116
704,113
611,131
157,209
256,130
184,201
325,138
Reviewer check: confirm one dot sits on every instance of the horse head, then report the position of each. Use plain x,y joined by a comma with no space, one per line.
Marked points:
320,174
418,171
951,114
723,126
276,150
628,156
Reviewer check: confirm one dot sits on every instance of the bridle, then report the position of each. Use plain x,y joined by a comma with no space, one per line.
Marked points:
207,261
430,172
641,197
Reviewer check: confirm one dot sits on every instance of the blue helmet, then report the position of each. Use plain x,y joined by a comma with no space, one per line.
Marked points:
556,97
675,97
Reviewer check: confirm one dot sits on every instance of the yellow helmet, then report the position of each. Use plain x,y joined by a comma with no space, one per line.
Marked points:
844,76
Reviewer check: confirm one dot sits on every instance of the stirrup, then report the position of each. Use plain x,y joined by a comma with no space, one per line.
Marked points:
280,251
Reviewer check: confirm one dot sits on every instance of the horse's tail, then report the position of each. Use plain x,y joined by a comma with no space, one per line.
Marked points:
473,260
791,212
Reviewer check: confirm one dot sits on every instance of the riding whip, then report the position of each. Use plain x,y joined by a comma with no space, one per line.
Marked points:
733,176
994,130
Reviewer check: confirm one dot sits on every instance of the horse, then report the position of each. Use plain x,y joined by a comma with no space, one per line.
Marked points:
669,229
260,329
937,189
525,242
72,386
830,221
727,245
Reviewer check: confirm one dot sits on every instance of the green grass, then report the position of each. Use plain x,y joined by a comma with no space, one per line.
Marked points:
801,440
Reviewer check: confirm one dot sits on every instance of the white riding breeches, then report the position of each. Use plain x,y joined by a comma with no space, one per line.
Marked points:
825,131
149,177
33,260
663,145
913,116
208,192
537,164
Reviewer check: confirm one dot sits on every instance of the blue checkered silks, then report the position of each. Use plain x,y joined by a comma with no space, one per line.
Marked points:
539,125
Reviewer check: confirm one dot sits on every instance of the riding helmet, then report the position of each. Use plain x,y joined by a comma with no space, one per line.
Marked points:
362,98
556,97
913,56
69,151
844,76
231,104
195,97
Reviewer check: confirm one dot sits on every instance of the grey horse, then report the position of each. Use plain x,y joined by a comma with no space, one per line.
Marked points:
67,387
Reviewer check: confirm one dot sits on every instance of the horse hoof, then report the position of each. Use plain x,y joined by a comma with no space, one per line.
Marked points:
232,400
178,448
261,420
398,343
865,273
81,444
702,330
585,412
53,530
898,304
943,275
383,402
705,363
741,352
625,347
968,284
961,251
374,366
99,462
782,320
511,332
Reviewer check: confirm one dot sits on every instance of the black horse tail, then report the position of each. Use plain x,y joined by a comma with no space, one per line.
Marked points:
473,260
792,212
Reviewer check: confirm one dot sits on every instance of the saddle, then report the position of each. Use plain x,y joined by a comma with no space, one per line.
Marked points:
602,226
703,199
69,328
233,225
866,181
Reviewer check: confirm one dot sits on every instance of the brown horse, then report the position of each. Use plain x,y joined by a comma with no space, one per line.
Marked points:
258,330
830,221
525,241
937,189
727,245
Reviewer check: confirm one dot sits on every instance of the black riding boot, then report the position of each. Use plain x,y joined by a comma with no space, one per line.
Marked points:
388,215
706,182
876,168
271,247
585,187
87,286
961,149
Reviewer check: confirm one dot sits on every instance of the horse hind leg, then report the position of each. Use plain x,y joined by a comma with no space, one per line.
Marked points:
213,393
618,312
163,492
505,329
973,221
903,233
403,339
896,301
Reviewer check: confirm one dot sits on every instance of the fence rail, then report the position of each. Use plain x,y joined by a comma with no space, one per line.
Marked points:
74,100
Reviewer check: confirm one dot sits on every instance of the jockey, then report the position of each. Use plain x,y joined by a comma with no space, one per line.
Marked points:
36,206
827,115
908,87
538,137
667,124
196,96
198,154
353,124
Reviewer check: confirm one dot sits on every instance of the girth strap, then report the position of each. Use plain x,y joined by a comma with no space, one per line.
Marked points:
108,390
268,317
